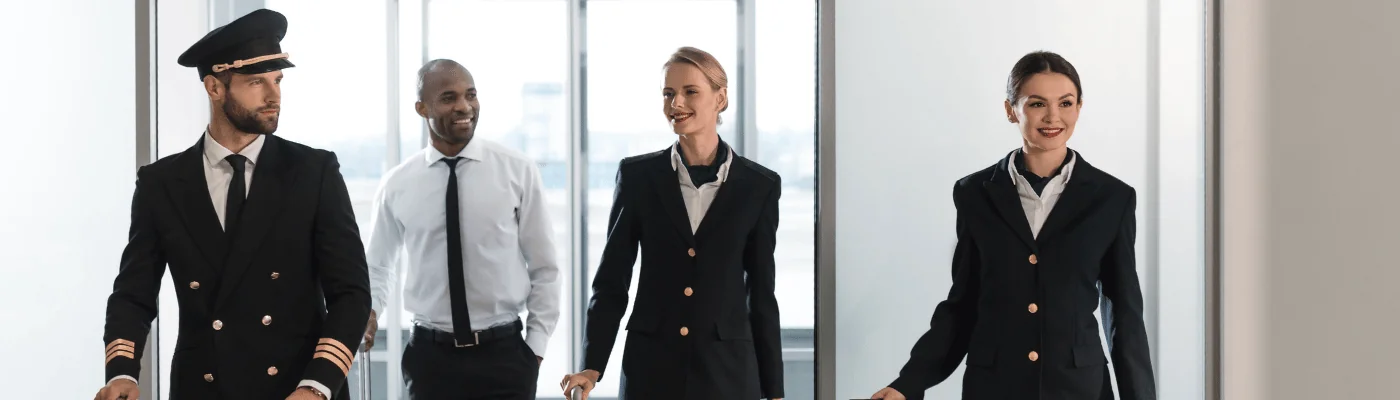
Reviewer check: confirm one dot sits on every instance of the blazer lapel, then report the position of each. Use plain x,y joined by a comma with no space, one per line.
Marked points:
197,209
727,197
1078,194
265,201
1008,204
668,186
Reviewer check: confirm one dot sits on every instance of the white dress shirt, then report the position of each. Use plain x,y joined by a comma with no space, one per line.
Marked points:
698,199
1038,206
507,241
217,174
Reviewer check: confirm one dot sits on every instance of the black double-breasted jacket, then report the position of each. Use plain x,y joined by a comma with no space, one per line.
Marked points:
284,298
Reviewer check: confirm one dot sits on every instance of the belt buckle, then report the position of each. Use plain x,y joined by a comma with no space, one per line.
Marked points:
475,338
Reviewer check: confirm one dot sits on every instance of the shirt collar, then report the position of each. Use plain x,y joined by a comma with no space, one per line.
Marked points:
473,152
215,152
1066,171
677,163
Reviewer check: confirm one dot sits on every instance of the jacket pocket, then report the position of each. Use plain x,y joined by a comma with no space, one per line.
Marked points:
981,354
638,324
1088,356
733,331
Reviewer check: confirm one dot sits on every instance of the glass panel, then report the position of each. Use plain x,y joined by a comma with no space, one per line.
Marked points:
518,54
334,97
785,113
628,41
70,136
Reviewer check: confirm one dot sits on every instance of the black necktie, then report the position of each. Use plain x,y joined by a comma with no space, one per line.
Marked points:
237,192
456,280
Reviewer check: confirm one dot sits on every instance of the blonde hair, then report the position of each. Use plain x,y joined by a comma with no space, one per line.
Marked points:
708,65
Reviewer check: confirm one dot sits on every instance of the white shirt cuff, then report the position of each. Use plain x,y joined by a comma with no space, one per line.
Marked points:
318,386
127,377
537,341
376,305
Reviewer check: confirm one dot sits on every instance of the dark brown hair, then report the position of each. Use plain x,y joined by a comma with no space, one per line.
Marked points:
1035,63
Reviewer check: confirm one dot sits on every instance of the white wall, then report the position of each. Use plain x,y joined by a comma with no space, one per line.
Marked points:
69,167
1309,214
919,89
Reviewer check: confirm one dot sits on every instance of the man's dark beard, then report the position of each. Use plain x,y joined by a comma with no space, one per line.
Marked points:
246,120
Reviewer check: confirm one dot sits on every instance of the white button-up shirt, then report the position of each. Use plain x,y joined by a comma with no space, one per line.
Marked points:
1038,206
218,173
507,241
697,199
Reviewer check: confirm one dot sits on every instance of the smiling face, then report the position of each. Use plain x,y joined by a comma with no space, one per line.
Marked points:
689,101
447,99
1045,109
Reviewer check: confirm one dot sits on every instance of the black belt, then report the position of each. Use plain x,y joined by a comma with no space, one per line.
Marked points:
482,336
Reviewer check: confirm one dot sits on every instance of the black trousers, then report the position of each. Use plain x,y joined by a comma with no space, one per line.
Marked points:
504,369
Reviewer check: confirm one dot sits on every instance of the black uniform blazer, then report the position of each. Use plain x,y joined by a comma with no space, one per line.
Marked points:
1021,309
285,299
705,324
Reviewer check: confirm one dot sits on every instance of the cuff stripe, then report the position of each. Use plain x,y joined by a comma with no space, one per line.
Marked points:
344,368
121,348
332,350
119,353
120,342
344,352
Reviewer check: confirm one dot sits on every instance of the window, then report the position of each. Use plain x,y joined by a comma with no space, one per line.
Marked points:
785,115
333,99
68,187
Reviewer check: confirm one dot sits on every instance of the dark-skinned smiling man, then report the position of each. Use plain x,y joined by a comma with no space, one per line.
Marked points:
465,218
259,237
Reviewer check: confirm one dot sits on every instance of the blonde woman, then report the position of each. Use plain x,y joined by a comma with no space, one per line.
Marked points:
705,325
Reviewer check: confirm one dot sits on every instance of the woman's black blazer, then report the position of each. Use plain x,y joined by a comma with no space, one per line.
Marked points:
705,323
1021,307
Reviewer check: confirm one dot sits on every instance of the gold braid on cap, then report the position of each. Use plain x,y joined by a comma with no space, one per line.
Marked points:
250,61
